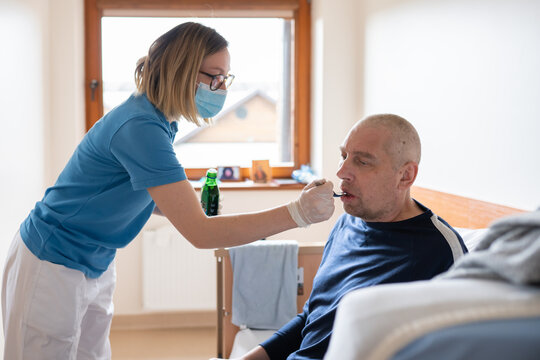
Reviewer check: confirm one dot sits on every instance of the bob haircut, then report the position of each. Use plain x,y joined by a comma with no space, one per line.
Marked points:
168,74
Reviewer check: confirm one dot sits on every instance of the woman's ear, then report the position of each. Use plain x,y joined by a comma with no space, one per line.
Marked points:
408,174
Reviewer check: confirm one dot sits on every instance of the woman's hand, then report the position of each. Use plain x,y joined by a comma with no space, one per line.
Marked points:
315,203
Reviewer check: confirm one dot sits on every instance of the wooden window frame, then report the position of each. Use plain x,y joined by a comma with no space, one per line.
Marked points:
94,10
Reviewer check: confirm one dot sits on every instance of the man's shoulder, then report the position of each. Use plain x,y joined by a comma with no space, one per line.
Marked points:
452,237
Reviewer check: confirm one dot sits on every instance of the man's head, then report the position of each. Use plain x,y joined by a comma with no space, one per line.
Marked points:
380,158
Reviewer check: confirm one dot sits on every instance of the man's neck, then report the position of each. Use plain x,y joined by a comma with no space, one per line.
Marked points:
409,210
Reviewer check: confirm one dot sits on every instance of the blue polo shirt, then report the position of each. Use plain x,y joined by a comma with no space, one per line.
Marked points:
99,202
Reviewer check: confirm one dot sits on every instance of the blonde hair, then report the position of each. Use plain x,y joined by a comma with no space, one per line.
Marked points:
168,74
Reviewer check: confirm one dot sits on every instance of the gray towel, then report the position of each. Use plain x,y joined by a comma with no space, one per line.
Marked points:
264,283
509,251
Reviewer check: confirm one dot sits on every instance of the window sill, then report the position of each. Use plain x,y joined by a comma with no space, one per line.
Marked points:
275,184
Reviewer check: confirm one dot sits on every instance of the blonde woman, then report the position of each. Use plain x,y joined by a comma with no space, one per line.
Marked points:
59,277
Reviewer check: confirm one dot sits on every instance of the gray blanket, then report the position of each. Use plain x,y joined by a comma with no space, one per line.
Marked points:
264,283
509,251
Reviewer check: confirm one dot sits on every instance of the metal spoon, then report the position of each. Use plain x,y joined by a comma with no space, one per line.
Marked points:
338,195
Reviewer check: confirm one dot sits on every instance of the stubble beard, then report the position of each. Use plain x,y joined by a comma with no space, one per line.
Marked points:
359,209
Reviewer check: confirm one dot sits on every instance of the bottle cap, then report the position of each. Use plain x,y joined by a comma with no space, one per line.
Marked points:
211,173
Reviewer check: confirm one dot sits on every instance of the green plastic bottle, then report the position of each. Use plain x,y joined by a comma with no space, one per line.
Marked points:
210,193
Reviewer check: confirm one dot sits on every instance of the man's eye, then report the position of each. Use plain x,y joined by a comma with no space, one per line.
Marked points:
360,162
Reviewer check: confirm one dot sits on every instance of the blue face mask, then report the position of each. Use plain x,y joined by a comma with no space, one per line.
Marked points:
209,103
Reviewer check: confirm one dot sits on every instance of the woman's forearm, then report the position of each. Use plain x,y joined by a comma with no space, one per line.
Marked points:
180,204
239,229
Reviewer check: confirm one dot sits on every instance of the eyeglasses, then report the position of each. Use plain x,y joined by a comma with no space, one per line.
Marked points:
219,80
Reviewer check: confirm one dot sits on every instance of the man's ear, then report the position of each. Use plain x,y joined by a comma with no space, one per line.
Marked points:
408,174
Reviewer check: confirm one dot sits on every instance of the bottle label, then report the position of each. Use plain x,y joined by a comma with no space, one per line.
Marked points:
210,200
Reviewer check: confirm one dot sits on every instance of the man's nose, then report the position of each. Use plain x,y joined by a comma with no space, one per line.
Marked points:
343,172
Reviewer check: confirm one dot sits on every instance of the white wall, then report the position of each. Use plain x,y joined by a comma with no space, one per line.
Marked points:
41,109
336,80
66,76
467,74
23,112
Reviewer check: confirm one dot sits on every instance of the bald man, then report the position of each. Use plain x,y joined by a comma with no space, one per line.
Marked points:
385,236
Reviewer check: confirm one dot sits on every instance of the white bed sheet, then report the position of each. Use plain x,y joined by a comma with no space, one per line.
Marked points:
247,339
371,325
471,237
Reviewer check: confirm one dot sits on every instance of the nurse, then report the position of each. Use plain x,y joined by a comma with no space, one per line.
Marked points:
59,277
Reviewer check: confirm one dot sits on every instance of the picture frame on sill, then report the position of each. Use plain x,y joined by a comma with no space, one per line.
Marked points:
228,173
261,171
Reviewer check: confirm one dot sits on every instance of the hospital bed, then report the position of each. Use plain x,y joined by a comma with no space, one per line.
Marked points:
470,217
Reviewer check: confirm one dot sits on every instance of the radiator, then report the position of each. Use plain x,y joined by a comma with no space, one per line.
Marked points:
176,275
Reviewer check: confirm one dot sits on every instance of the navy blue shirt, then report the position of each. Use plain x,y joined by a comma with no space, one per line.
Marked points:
360,254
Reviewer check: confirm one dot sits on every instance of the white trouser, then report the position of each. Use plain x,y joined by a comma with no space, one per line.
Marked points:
53,312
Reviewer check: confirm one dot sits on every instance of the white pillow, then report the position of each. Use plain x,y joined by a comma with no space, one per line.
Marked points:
471,237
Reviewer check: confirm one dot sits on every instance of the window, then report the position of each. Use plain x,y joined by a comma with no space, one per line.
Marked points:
266,115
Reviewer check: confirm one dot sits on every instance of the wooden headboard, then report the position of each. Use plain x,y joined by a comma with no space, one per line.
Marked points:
458,211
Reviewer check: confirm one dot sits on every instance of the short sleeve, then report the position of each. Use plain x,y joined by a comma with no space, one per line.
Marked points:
144,147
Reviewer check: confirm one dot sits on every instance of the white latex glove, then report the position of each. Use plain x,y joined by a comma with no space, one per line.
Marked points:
315,203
